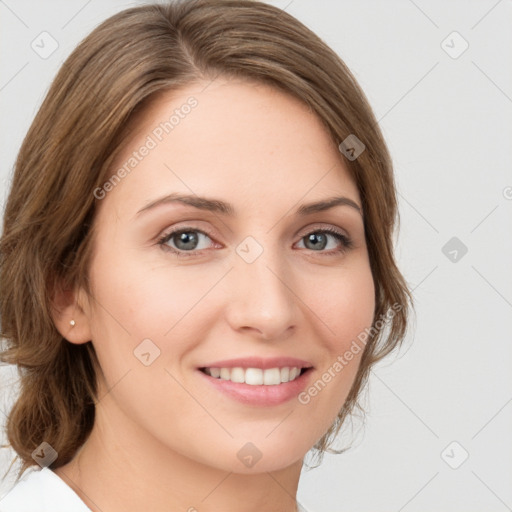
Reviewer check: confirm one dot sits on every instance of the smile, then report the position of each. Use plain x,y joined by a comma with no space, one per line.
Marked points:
256,376
258,381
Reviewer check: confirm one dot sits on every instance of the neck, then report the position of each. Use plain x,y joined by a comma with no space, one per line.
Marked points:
130,470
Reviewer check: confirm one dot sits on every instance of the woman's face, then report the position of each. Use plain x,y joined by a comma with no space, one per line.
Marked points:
219,252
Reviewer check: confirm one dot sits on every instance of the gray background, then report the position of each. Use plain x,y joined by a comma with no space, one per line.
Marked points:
448,122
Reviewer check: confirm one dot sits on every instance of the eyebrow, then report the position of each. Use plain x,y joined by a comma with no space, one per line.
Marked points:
218,206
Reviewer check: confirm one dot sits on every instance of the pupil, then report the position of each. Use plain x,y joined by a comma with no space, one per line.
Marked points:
187,240
318,241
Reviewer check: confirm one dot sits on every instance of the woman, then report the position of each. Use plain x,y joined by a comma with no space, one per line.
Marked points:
197,268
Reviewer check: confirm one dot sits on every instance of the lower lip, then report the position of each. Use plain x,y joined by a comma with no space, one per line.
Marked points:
260,395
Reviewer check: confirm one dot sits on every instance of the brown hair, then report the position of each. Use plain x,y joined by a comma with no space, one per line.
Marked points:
68,153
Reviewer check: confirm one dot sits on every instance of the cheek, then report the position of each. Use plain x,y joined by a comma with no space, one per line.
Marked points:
141,332
137,301
344,301
345,304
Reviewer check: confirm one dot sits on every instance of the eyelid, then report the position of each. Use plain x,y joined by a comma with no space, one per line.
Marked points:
166,235
343,237
319,226
305,230
187,225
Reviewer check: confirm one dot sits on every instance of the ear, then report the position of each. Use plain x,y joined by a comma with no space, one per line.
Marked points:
69,304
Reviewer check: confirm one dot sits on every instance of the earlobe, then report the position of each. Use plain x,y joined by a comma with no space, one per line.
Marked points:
70,315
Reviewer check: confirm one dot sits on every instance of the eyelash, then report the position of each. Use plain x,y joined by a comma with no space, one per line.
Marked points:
346,242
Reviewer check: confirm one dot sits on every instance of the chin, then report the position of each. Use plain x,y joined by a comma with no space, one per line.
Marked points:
262,455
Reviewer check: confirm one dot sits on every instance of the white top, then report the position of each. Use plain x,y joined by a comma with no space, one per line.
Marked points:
42,490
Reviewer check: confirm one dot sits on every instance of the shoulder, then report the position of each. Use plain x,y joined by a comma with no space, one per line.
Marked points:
42,490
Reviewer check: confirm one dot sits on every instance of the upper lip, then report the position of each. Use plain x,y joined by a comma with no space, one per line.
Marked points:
259,362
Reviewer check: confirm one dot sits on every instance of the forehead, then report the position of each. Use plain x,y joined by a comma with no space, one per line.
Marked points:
229,139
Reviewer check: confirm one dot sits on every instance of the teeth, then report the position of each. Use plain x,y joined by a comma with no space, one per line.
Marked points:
237,375
272,376
255,376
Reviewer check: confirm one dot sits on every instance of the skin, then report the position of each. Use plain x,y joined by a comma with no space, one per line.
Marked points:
164,438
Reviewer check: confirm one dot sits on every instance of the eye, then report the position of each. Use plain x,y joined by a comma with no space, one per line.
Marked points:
327,238
185,240
191,241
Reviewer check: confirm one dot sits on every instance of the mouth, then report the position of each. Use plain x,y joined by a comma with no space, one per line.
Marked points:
256,381
256,376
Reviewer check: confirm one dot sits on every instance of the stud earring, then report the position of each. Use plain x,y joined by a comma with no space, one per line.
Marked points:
72,323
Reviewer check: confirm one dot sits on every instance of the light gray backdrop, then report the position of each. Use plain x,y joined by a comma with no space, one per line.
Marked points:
439,76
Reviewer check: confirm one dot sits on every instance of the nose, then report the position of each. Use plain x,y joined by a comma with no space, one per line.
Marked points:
261,300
